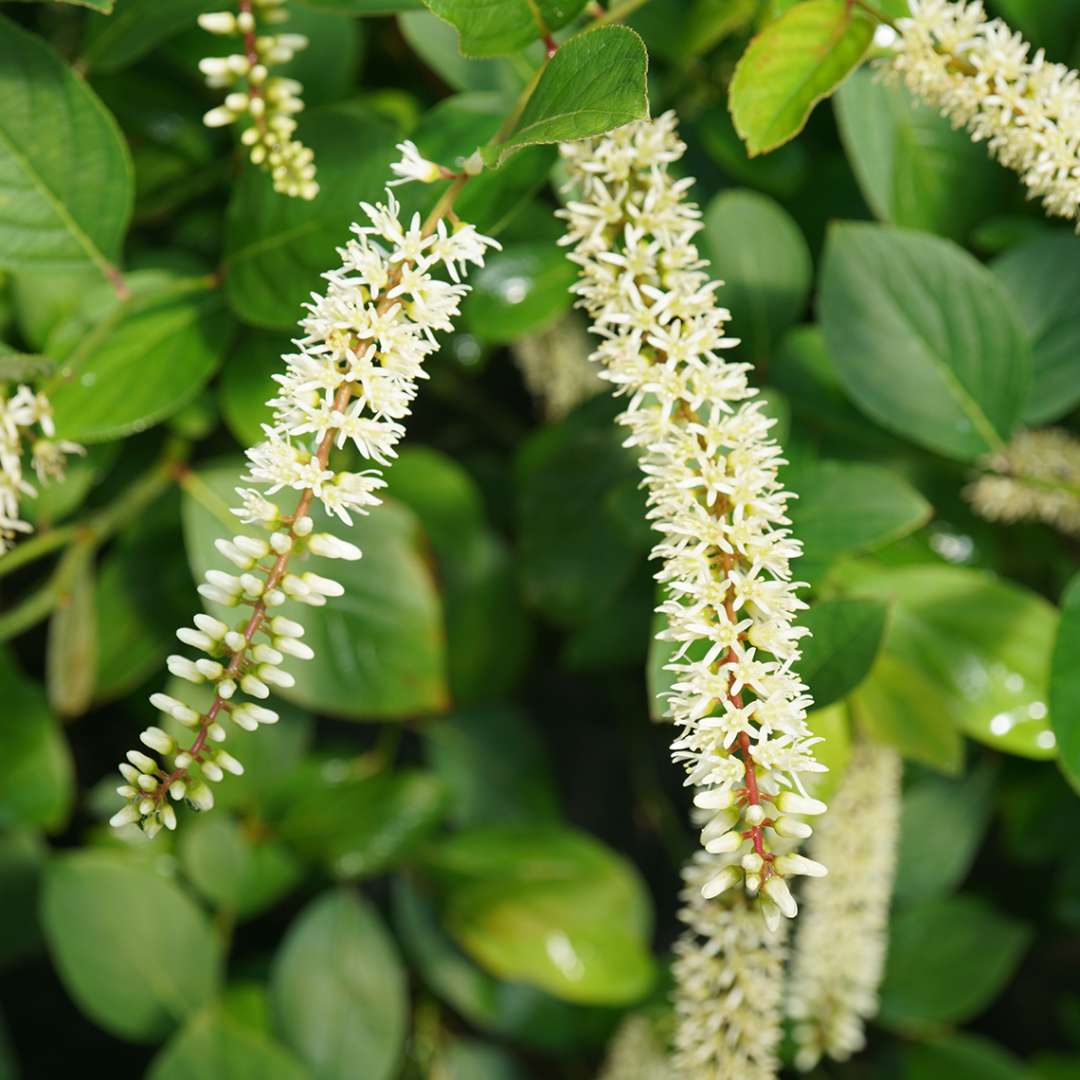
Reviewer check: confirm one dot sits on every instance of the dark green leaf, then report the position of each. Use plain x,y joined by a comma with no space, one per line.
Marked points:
71,653
845,638
791,65
136,28
65,173
338,990
494,27
924,338
132,949
246,385
961,1057
366,7
1065,685
435,42
23,855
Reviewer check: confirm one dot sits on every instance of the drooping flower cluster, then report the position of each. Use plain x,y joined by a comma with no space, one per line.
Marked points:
26,423
268,103
636,1051
729,980
554,365
1035,478
842,938
711,473
985,77
361,351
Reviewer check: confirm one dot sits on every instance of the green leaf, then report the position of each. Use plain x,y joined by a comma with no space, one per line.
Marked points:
942,824
833,726
924,338
103,7
914,168
358,825
495,27
65,173
235,867
493,763
245,383
520,290
137,28
146,358
791,65
338,990
23,855
435,42
277,249
594,83
380,648
982,643
948,959
845,636
71,653
213,1046
1042,277
960,1056
470,1059
36,774
548,906
1065,685
759,252
131,948
366,7
844,508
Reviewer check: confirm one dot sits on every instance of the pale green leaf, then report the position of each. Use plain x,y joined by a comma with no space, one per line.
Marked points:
845,636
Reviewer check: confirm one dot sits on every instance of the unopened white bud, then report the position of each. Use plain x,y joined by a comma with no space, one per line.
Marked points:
325,586
776,888
282,627
128,815
754,815
218,22
195,638
294,648
275,676
200,796
799,864
790,803
714,798
142,762
158,740
229,763
724,844
212,772
720,882
213,628
254,686
333,547
168,816
792,828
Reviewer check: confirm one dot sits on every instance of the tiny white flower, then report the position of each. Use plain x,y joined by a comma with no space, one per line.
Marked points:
413,166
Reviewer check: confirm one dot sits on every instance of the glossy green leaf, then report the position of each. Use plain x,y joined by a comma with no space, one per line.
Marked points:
136,28
948,959
982,643
494,27
521,290
65,173
548,906
595,82
914,168
132,949
379,649
235,867
791,65
1042,277
844,507
845,636
213,1046
924,338
338,990
961,1057
759,252
145,359
277,249
36,775
357,825
71,653
1065,685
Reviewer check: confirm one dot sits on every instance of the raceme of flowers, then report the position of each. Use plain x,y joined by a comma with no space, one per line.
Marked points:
1035,478
841,941
729,982
711,473
26,422
554,365
637,1051
268,103
360,353
985,77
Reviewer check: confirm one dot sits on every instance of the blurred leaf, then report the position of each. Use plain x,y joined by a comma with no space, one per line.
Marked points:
548,906
924,338
595,82
23,367
759,252
71,653
379,649
949,957
1051,25
135,29
494,765
245,383
488,29
711,21
791,65
833,726
435,42
357,825
276,249
338,990
1042,276
914,168
57,499
212,1046
23,855
942,824
366,7
140,363
844,507
66,192
781,173
132,949
42,299
961,1057
36,775
845,636
1065,685
234,866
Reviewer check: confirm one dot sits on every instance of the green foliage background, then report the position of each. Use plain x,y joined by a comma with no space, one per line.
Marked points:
469,785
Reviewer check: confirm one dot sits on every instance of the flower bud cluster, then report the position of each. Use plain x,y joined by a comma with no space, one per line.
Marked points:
361,351
26,423
268,103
